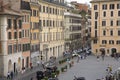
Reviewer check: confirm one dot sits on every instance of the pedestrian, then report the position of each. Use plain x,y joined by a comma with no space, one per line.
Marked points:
11,74
43,65
38,62
31,65
102,57
8,75
78,58
69,63
98,58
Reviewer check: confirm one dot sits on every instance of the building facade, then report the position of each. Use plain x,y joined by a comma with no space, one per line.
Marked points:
26,11
72,30
34,30
105,26
10,37
51,25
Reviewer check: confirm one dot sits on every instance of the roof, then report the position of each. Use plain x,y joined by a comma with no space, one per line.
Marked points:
93,1
10,12
10,7
25,5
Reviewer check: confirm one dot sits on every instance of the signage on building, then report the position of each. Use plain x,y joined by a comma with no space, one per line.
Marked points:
102,45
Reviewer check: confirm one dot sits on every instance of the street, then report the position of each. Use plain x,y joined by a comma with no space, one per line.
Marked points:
90,68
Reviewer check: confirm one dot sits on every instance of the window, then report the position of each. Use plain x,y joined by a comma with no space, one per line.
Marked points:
50,10
15,35
95,7
47,23
95,33
19,48
53,23
43,8
111,23
9,49
34,13
111,41
103,23
47,10
20,34
118,6
20,24
96,15
118,32
15,24
118,42
53,11
9,35
118,13
9,23
104,41
95,24
26,47
111,13
104,32
95,41
104,14
40,8
15,48
111,32
104,6
44,23
111,6
50,23
118,22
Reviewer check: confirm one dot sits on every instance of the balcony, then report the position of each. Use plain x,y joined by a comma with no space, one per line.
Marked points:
94,38
56,2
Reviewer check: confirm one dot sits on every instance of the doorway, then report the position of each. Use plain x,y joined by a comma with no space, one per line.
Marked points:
113,50
14,67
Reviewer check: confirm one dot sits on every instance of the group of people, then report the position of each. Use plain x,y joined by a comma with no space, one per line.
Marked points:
115,55
10,75
82,56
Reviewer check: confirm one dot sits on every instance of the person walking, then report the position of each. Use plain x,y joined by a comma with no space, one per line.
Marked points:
98,58
11,74
8,75
78,58
103,55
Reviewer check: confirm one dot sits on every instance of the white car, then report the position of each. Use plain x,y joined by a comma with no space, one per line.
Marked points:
74,54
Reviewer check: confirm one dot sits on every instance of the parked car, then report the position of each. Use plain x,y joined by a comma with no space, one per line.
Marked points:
40,75
79,78
74,54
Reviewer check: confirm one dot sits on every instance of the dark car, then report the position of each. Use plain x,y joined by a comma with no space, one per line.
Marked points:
79,78
40,75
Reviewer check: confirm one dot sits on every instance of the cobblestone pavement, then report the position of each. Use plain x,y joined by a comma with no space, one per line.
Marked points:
90,68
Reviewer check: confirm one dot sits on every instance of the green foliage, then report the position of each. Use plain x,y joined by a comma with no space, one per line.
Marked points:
83,13
53,75
57,72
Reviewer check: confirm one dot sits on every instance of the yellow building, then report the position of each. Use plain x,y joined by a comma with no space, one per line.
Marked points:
105,26
34,32
51,24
